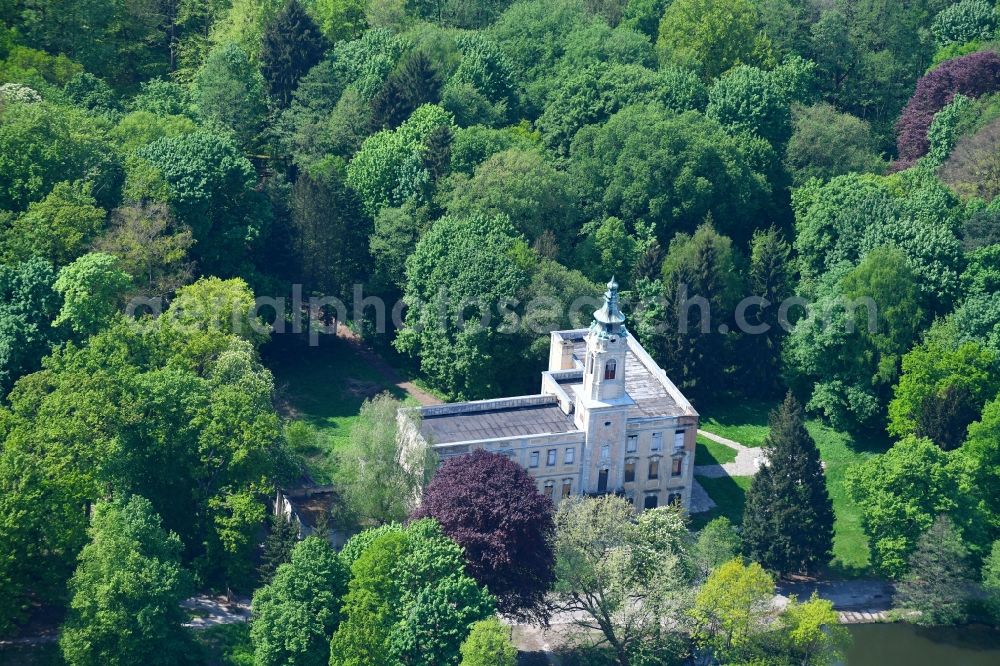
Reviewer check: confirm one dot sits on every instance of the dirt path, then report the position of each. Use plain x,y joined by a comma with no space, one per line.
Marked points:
386,370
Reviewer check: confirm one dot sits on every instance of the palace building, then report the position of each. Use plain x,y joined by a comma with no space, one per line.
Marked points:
607,420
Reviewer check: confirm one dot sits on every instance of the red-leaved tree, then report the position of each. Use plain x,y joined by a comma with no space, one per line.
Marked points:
489,505
972,75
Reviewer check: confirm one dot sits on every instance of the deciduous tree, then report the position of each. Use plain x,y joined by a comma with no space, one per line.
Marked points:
900,493
92,288
489,505
374,452
489,644
625,579
296,614
127,591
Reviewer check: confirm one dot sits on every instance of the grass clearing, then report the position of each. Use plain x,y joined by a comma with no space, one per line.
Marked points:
708,452
324,387
728,493
746,423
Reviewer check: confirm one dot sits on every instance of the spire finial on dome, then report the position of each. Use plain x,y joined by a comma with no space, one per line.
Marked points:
610,316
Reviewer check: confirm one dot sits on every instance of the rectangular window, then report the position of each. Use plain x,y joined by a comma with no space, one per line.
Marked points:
570,456
632,444
567,488
605,451
534,459
675,468
551,458
650,502
629,472
602,481
654,469
657,442
678,440
548,490
674,498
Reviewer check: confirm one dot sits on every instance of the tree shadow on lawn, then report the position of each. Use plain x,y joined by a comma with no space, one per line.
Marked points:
729,495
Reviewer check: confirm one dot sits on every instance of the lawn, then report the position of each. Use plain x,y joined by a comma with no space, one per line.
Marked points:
324,387
729,493
708,452
746,422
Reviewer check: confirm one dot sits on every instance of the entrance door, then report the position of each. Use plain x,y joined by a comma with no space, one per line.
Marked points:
602,481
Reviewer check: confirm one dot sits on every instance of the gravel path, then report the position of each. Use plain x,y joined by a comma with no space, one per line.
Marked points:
748,459
211,611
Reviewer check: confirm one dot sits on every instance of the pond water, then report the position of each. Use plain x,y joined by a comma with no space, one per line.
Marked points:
909,645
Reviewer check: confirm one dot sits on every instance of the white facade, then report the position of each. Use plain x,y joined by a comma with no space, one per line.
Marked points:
607,420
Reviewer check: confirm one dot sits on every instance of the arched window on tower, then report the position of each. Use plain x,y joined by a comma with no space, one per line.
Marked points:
610,368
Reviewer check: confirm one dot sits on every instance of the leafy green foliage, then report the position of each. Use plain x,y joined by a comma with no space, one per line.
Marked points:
668,171
28,306
462,262
731,610
594,94
849,345
151,246
711,36
57,228
229,90
388,169
408,601
523,186
211,190
991,579
488,644
964,21
126,591
373,451
207,440
943,388
296,614
42,527
900,493
623,576
811,632
42,144
92,289
717,543
826,143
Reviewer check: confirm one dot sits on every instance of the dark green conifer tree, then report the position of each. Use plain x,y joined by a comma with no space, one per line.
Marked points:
761,328
281,538
413,83
701,281
292,45
940,576
788,519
